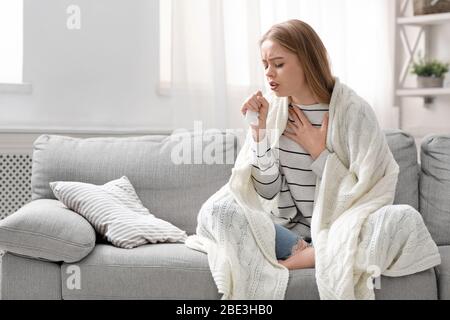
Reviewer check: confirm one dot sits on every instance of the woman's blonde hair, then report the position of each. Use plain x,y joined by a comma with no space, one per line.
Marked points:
299,38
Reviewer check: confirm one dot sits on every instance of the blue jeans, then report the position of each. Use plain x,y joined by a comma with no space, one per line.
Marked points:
285,240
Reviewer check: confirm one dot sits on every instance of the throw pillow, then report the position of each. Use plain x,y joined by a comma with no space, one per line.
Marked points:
45,229
116,212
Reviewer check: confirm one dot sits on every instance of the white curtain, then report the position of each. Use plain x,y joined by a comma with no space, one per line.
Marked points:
216,60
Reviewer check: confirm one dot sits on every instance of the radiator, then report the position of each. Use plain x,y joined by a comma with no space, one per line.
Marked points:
15,182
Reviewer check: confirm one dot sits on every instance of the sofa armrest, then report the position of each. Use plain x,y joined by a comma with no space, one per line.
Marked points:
46,229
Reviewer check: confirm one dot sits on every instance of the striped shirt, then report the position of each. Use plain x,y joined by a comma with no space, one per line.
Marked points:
290,171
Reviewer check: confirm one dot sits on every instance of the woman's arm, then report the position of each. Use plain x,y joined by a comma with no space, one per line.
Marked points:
266,174
319,164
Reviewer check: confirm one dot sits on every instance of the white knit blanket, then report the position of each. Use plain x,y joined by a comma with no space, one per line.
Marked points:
355,229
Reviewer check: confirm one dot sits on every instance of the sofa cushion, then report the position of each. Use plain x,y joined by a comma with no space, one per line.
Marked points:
116,212
157,271
403,148
173,271
435,186
24,278
443,273
47,230
170,190
419,286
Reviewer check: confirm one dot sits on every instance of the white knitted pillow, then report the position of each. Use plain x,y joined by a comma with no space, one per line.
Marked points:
116,212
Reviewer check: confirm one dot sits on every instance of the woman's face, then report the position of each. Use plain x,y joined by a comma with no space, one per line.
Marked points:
282,69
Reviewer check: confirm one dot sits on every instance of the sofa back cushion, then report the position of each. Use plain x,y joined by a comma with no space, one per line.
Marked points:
435,186
171,190
404,150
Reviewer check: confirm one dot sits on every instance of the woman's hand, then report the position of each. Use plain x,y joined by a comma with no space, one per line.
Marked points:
301,131
257,103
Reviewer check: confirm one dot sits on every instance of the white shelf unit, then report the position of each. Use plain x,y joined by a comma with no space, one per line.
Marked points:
422,23
424,20
417,92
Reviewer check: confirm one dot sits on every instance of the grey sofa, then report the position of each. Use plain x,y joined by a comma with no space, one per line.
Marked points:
175,193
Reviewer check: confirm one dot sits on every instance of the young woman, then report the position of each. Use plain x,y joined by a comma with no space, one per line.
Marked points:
296,66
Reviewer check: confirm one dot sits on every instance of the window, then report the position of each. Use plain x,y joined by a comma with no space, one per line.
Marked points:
11,41
235,46
236,42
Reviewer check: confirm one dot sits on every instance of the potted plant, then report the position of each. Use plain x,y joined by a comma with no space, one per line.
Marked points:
430,73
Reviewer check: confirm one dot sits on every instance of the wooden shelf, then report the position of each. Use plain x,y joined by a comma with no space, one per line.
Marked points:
426,19
426,92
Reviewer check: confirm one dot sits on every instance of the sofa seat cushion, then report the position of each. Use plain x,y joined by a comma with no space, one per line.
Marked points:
418,286
443,273
46,229
435,187
152,271
173,271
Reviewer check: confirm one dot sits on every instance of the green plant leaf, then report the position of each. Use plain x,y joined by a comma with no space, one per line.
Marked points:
430,68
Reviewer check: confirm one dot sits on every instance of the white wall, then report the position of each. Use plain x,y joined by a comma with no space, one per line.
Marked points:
104,77
101,76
